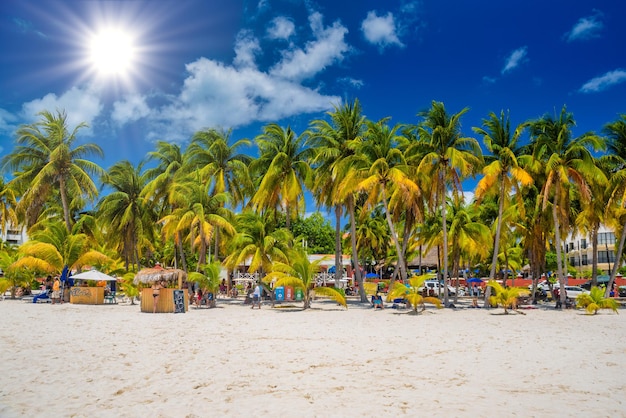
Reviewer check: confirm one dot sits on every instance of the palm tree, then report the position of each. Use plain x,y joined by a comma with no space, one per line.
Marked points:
330,140
505,296
299,273
210,152
53,247
13,276
220,163
382,171
8,202
447,157
198,213
468,236
502,171
46,160
208,280
257,240
170,163
283,167
616,145
568,161
129,218
596,300
412,293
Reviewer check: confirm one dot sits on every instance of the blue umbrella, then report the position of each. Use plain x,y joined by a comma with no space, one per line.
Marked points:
474,280
371,276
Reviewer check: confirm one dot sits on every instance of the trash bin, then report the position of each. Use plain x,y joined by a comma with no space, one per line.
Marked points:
279,293
299,294
289,293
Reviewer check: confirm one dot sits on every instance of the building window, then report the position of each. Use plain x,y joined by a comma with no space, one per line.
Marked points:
606,238
584,263
606,257
583,243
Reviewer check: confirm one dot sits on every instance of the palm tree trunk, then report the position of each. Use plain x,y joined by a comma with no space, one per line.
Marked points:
594,255
338,250
444,228
181,250
355,256
496,244
66,207
394,237
557,244
616,263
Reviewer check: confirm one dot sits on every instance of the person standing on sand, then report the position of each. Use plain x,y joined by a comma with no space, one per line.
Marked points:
256,296
56,290
156,291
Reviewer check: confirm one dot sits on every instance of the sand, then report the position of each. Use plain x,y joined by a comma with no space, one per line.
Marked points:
114,361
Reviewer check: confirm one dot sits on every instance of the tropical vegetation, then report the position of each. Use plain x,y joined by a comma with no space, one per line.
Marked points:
395,190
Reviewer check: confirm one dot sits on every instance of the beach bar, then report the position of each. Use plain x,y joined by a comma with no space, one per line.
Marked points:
165,304
87,295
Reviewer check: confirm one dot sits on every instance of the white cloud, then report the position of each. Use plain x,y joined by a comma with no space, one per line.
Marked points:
130,109
280,28
515,59
489,80
380,30
7,121
215,94
604,81
246,48
328,47
586,28
352,82
81,104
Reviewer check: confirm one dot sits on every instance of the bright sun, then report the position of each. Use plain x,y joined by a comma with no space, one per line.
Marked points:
112,52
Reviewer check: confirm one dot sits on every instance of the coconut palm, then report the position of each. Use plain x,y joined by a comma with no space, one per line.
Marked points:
208,279
299,273
595,300
467,236
46,160
218,161
53,247
505,296
258,241
199,213
568,162
8,202
502,171
616,145
330,140
443,154
382,171
413,294
14,276
283,168
129,217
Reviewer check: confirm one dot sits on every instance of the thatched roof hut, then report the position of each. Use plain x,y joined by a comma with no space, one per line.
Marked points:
151,275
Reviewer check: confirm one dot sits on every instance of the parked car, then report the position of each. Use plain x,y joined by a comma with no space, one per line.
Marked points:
543,285
435,286
622,291
573,291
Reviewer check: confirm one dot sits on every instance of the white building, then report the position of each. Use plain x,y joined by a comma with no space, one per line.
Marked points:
579,250
14,235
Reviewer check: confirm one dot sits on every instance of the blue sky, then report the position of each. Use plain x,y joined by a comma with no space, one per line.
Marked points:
241,64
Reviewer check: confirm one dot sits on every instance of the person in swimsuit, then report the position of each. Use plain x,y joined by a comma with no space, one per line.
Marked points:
156,291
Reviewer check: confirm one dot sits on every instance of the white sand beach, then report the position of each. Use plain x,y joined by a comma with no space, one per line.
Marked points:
114,361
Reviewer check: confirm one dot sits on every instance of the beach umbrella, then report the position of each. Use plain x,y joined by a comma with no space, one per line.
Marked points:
156,274
94,275
474,280
371,276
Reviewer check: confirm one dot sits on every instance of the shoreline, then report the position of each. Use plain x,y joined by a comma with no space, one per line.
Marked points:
113,360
